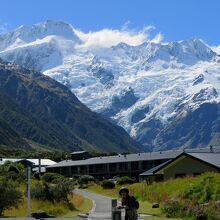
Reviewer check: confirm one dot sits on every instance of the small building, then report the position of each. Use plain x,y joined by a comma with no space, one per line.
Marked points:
34,163
186,164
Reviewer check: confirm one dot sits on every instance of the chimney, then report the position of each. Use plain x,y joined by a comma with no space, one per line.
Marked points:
211,148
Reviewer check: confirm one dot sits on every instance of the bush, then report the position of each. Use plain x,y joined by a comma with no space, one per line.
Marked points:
85,179
42,191
108,184
13,168
125,180
19,177
63,190
52,177
199,201
36,176
9,195
53,192
172,208
13,171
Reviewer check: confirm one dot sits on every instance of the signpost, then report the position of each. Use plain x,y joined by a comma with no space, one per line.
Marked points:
29,191
39,164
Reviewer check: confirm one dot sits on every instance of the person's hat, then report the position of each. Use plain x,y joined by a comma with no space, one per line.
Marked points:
123,189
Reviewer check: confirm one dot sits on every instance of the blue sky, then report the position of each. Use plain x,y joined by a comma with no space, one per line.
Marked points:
175,19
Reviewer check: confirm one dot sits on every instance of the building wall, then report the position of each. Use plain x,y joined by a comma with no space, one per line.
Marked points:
186,166
108,170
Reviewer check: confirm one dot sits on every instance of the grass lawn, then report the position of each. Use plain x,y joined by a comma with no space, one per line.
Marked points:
203,188
145,206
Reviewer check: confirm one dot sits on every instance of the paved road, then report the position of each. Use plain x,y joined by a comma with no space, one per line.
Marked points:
101,206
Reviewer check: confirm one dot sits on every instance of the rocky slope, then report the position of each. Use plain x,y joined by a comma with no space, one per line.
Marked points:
37,109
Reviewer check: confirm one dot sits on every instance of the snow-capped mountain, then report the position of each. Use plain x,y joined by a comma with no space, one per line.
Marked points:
156,91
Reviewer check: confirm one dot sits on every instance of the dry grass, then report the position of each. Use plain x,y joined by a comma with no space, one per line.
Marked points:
79,204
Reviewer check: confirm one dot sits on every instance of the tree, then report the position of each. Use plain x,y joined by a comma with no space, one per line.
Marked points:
9,195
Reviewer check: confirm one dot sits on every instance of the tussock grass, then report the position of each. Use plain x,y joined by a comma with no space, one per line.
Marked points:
79,205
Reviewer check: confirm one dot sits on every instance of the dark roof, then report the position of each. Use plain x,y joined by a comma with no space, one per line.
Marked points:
210,158
153,170
120,158
215,149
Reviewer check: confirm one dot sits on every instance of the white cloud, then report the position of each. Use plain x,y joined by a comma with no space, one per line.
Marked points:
158,38
111,37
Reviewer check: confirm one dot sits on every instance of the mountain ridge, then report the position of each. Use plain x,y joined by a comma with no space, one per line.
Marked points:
144,88
46,112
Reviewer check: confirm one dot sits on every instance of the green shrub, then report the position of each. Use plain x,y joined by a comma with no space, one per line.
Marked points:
42,191
172,208
9,195
53,192
125,180
13,168
36,176
62,190
85,179
19,177
13,171
199,201
51,177
108,184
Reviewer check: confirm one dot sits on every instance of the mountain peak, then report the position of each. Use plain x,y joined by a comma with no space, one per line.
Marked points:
27,34
52,27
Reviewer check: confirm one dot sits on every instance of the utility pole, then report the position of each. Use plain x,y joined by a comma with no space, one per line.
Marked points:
39,164
29,192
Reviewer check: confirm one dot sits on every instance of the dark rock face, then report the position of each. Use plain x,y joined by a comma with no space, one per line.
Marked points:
197,129
148,132
44,111
105,76
205,94
139,115
98,70
198,79
126,100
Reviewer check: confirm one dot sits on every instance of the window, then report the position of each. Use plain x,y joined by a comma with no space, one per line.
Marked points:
134,165
112,167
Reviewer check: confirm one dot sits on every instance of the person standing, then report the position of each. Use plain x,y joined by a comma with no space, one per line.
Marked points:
129,203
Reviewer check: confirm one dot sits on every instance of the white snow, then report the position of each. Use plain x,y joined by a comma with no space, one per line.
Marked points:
161,75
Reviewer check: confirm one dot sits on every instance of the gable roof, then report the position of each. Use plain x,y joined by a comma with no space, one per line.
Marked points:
209,158
212,159
153,170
